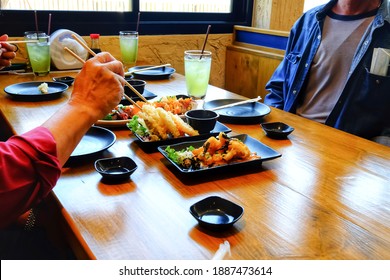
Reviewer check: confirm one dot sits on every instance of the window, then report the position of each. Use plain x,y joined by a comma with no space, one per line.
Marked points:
107,17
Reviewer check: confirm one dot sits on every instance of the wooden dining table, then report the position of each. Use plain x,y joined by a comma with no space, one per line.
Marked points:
326,197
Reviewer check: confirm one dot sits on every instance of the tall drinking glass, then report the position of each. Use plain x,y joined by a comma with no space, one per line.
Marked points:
197,66
40,33
128,41
39,53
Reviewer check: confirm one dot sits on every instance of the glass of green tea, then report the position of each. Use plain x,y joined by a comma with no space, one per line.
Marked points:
39,53
197,66
128,41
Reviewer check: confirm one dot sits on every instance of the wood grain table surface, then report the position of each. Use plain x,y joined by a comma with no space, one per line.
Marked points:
326,197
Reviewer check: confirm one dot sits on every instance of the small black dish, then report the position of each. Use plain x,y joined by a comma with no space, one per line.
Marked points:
277,130
119,168
202,120
139,85
66,80
216,213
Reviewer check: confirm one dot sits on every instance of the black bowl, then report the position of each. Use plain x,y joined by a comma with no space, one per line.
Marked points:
139,85
66,80
118,168
277,130
216,213
202,120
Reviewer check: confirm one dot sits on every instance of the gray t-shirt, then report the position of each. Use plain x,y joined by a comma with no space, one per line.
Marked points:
329,70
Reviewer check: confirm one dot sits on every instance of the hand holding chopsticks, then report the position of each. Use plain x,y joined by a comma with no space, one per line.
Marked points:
83,61
126,82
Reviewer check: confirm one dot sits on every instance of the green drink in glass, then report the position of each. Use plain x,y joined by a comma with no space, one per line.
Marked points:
128,41
197,67
39,53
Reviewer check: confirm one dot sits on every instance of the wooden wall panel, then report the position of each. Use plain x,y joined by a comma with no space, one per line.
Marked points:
248,70
285,13
242,72
161,49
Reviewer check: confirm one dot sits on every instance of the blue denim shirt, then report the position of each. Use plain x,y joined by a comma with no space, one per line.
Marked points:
363,108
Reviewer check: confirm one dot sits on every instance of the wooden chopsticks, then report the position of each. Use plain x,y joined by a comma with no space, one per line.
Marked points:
236,103
20,42
93,54
146,69
83,61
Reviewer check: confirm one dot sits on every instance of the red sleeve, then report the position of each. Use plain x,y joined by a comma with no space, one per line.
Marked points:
29,169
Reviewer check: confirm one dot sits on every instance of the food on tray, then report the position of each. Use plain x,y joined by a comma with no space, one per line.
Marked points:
120,112
154,124
43,88
172,104
215,151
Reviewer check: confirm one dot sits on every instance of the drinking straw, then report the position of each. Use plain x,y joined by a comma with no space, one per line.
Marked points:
49,25
205,40
83,61
36,23
139,16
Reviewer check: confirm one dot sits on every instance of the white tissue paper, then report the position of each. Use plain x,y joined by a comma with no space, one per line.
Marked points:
380,62
60,58
224,248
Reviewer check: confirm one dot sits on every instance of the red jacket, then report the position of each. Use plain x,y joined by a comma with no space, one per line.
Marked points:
29,169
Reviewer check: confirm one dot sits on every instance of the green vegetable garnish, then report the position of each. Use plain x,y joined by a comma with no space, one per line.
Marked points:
179,156
136,127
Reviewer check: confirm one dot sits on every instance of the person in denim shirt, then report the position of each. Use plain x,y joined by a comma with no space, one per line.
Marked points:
325,74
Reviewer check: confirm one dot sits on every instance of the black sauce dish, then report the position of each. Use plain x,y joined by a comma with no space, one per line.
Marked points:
66,80
139,85
216,213
202,120
118,168
277,130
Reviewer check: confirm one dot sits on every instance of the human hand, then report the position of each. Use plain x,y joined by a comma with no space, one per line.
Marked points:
7,52
99,86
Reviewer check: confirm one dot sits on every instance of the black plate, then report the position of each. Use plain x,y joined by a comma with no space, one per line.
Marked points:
216,213
153,74
96,140
153,145
255,146
30,91
245,113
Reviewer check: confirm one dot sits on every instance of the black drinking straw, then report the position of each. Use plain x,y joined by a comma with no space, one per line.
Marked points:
49,25
36,23
205,40
139,16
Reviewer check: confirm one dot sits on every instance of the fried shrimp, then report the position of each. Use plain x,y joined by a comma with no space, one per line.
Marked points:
162,124
221,150
184,127
167,121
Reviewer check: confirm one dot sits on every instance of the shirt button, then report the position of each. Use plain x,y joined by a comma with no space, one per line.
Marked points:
294,92
319,37
306,65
